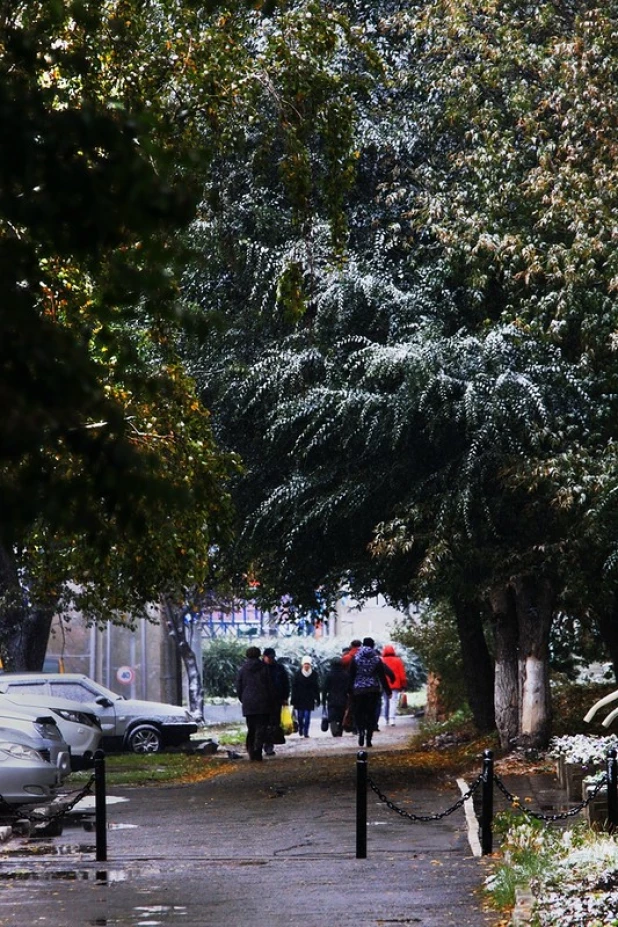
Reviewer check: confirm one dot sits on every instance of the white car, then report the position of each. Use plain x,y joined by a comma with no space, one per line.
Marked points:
127,723
25,777
80,728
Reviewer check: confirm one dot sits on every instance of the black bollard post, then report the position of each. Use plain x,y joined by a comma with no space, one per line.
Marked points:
487,811
361,805
612,790
100,808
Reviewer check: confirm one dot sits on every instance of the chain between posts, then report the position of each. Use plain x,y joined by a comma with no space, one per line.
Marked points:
39,817
486,779
559,816
438,816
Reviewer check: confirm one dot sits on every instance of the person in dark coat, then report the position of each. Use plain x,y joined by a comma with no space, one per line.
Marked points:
305,694
335,695
368,680
281,685
257,695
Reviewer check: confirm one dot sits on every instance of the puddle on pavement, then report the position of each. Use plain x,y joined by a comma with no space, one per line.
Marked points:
49,849
101,877
144,916
90,826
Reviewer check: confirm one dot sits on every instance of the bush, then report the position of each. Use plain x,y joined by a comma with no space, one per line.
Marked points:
221,659
572,700
433,636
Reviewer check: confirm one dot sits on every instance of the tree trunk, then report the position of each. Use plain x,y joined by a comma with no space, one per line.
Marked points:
535,602
176,626
506,691
24,629
478,664
434,708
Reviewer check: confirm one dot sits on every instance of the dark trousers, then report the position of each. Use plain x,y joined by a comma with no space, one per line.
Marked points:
256,731
365,707
273,720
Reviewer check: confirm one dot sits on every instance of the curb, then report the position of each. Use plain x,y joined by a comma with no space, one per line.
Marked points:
522,912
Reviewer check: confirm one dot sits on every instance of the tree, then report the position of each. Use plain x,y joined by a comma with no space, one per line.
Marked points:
113,489
464,345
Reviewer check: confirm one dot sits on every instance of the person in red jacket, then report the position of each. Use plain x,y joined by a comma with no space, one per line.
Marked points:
349,653
398,685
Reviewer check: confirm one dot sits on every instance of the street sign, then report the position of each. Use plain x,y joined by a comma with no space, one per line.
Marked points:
125,675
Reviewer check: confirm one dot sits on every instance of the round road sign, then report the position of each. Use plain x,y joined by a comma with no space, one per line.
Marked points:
125,675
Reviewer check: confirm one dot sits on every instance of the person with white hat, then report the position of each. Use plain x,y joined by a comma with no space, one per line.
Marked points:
305,694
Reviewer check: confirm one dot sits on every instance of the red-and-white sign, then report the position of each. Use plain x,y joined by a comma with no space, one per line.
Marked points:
125,675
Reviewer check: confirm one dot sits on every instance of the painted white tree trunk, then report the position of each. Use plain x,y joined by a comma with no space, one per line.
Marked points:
534,599
176,626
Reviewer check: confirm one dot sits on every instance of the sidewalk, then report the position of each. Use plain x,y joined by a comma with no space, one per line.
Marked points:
261,844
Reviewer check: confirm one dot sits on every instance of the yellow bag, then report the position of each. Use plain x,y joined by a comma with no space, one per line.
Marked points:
286,719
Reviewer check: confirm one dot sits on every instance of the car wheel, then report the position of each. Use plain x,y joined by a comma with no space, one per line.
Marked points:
145,738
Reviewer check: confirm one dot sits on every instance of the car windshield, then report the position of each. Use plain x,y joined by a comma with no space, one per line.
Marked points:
102,690
82,690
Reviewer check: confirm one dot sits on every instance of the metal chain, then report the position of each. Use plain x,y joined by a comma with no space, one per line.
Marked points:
426,817
38,817
561,816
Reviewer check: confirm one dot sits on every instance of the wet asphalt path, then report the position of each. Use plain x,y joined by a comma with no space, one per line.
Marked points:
262,844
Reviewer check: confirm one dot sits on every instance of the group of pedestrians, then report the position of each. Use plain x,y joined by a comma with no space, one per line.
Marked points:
358,686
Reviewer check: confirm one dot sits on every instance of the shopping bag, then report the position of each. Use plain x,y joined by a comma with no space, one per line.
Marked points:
287,722
324,722
348,717
274,734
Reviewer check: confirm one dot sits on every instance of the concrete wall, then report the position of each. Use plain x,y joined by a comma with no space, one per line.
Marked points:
140,663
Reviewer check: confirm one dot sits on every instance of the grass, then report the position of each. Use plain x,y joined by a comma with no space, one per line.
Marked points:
153,769
133,769
225,734
525,851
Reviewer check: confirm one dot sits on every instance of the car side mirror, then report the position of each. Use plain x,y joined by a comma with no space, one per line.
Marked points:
104,702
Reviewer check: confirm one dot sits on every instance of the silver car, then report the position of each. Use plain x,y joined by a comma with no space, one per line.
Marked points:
44,734
79,727
25,777
128,723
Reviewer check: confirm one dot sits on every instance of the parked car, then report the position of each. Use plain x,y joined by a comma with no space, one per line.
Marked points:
80,728
25,777
127,723
44,734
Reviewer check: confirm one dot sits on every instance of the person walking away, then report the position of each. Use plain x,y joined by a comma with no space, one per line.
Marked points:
347,658
368,681
281,684
257,696
390,678
335,695
349,653
305,694
398,684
